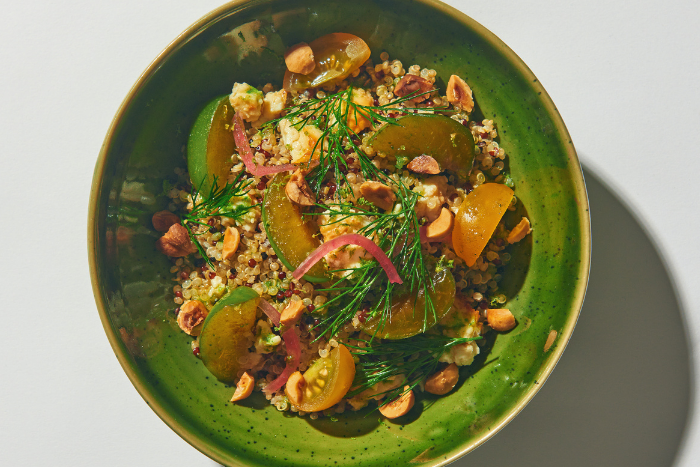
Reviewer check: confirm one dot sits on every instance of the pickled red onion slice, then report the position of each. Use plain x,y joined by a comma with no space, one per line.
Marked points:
349,239
270,311
291,341
423,232
246,153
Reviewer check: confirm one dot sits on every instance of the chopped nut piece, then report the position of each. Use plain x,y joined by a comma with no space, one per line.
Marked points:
244,387
410,84
176,242
300,59
399,406
500,319
550,340
424,165
295,388
520,231
298,191
443,381
460,94
378,194
231,241
292,312
441,227
163,220
191,315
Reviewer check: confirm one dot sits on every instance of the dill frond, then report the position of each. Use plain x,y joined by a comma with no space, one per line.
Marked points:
217,202
396,232
414,358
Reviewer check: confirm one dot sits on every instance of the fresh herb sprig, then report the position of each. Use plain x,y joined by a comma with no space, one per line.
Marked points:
397,234
414,358
334,115
216,202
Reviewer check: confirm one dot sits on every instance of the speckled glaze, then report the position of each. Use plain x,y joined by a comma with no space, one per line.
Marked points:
133,288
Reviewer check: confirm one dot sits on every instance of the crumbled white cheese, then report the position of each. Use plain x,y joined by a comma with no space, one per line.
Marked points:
265,339
356,120
430,203
272,107
300,141
463,354
348,256
246,101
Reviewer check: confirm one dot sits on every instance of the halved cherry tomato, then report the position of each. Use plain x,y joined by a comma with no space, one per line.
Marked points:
327,380
336,55
477,219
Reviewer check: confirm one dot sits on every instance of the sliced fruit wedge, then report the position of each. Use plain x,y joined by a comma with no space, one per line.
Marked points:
211,145
477,219
292,238
449,142
225,333
408,311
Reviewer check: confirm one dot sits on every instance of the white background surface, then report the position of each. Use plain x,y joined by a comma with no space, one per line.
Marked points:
623,74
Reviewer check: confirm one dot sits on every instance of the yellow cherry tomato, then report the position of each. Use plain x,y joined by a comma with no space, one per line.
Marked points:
327,380
477,219
336,56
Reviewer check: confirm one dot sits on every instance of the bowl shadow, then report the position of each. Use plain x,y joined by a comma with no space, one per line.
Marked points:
622,392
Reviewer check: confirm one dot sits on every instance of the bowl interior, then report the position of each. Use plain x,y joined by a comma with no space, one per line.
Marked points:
132,282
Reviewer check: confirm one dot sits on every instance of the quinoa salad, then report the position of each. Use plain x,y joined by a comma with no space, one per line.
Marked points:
337,240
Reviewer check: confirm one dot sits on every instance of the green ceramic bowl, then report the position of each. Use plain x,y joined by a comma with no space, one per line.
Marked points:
132,283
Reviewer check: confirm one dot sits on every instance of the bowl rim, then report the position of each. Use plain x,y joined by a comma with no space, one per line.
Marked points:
199,442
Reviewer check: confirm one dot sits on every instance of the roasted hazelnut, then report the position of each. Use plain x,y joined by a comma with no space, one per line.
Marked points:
460,94
176,242
411,84
443,381
295,388
291,313
441,227
191,315
399,406
163,220
519,231
298,191
500,319
244,387
378,194
231,241
424,165
299,58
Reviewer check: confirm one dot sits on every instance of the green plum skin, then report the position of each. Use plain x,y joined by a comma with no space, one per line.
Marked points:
211,144
224,333
291,237
449,142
